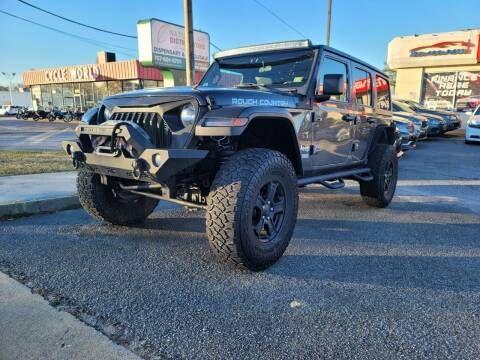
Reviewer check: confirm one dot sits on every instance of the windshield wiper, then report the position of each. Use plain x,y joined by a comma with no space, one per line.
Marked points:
269,87
251,85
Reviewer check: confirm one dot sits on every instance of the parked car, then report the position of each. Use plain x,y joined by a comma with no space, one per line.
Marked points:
435,104
407,132
436,125
452,120
420,122
472,130
264,120
9,110
468,103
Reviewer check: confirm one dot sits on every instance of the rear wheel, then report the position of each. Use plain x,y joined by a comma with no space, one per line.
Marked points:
110,204
252,208
383,164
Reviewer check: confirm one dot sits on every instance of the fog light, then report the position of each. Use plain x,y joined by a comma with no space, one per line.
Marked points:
157,160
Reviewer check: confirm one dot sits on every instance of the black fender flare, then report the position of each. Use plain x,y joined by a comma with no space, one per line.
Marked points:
256,114
383,134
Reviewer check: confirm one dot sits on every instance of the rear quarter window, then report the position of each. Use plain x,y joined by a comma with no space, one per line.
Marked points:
382,91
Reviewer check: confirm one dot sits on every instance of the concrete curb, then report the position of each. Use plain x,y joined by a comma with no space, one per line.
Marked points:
22,208
32,329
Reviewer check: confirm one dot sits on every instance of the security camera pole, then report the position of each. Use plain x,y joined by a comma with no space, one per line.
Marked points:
189,55
329,21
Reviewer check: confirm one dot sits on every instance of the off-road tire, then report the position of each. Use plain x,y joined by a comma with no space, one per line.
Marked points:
231,204
373,192
100,201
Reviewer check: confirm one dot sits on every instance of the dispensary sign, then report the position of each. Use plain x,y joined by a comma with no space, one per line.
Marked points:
162,44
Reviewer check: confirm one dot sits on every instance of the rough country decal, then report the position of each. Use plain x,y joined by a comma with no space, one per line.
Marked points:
444,48
261,102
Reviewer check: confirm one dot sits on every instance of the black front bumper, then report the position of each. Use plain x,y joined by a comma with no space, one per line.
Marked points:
151,164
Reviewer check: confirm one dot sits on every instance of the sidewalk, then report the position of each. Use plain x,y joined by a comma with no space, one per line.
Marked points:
37,193
31,329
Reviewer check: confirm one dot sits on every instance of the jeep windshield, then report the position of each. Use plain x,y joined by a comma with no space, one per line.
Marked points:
287,71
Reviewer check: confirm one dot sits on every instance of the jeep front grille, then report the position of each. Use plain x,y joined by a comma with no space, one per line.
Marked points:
153,124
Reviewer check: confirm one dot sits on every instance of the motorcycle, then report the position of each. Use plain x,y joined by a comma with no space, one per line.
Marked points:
55,115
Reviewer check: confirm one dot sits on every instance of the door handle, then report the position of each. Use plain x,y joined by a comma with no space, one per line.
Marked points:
349,117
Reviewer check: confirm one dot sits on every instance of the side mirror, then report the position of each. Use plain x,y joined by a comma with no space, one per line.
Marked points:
333,84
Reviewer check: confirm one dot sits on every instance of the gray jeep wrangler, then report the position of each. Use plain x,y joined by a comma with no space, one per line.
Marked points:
263,121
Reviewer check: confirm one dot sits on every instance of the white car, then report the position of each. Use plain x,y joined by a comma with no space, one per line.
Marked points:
9,110
472,130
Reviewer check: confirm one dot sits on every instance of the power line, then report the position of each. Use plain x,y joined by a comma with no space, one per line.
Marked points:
77,22
280,19
90,26
78,37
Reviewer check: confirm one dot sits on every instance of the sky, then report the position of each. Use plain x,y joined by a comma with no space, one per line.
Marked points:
361,28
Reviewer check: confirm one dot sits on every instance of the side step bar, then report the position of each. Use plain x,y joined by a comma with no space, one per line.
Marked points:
334,180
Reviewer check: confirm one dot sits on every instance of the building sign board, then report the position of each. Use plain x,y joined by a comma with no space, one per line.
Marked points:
443,49
72,74
162,44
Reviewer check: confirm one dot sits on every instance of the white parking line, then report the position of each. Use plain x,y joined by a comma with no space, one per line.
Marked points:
465,182
44,136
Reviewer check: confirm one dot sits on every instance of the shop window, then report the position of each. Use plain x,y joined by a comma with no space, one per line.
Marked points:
46,102
130,85
362,83
147,84
86,91
68,96
57,96
114,87
36,96
99,91
382,90
439,89
467,90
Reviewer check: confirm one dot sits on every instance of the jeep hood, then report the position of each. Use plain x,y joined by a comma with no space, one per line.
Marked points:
220,96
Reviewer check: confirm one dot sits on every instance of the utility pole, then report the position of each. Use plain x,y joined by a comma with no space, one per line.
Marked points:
329,21
10,77
189,50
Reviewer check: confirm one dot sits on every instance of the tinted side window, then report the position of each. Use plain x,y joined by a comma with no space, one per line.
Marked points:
362,83
382,89
330,66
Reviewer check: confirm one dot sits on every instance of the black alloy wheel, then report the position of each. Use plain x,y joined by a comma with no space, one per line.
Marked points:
269,211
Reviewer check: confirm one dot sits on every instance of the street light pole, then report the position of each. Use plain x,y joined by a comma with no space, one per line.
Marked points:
10,77
189,51
329,21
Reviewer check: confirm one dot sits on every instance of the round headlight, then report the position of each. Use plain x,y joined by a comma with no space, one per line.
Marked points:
187,116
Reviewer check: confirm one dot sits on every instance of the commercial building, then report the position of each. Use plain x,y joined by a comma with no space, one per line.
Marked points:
440,70
81,87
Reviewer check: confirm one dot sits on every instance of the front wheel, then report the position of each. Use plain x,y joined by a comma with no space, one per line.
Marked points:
108,203
252,208
383,164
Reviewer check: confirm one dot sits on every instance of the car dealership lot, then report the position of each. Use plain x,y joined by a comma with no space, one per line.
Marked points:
355,281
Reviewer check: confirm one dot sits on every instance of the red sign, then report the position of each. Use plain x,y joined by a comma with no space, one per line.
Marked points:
443,48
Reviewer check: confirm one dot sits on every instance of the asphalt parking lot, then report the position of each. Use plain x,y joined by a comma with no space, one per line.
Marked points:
30,135
356,282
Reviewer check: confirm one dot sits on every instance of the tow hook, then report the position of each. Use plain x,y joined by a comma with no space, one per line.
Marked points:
77,158
139,167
